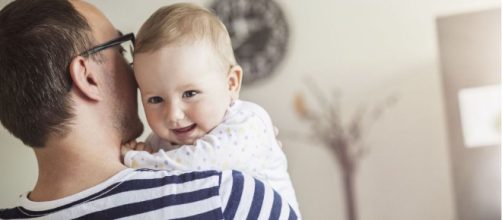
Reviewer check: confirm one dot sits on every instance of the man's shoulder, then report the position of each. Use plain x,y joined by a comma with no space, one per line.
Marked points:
153,194
144,193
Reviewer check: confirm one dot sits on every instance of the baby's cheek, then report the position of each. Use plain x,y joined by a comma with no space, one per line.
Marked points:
156,124
210,119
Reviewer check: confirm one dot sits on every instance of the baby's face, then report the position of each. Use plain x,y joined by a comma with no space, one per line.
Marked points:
184,90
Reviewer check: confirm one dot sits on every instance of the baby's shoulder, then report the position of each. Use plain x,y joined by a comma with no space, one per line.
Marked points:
248,108
245,112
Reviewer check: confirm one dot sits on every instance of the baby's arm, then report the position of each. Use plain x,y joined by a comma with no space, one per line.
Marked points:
243,143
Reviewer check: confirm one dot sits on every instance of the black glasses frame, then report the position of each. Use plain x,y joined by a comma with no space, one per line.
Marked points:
111,43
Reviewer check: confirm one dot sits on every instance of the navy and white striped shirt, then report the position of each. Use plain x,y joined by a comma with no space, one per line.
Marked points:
155,194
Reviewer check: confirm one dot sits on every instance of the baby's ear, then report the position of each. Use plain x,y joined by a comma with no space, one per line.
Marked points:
234,81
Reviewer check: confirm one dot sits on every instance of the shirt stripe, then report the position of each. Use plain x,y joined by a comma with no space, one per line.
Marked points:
11,214
235,195
246,198
213,214
259,193
292,214
268,199
276,207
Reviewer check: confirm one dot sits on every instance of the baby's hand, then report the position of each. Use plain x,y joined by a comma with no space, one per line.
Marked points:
133,145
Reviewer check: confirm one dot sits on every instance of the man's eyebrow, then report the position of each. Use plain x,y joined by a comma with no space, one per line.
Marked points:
120,33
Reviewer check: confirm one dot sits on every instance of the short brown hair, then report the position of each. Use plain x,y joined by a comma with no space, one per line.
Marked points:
38,40
184,22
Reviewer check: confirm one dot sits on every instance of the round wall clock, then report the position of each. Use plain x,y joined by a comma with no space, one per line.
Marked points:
259,33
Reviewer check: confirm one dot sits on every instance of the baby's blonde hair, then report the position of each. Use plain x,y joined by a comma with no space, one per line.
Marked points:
185,23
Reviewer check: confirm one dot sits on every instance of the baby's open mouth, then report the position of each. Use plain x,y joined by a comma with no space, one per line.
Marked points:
184,129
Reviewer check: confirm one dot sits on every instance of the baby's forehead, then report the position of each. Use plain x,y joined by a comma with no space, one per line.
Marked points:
208,49
182,56
203,42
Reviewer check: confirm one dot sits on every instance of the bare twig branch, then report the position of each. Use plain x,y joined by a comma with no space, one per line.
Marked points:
345,141
316,91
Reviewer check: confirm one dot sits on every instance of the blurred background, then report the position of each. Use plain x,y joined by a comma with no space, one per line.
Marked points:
432,152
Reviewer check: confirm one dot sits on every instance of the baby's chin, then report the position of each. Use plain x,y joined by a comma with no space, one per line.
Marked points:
184,142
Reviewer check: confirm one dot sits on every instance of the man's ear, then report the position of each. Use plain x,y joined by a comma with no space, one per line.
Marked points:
83,75
234,79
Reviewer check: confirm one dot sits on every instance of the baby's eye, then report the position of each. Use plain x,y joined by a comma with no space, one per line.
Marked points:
155,100
189,94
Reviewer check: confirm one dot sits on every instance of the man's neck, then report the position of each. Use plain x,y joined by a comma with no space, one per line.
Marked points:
69,167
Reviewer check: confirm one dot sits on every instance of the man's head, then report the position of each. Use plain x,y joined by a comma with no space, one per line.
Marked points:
186,72
43,78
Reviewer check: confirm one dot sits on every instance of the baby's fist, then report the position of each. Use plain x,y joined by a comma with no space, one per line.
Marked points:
133,145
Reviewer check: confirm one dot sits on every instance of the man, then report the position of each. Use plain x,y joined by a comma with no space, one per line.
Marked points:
67,91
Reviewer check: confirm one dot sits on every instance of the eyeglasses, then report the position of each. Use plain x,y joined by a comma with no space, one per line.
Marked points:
126,43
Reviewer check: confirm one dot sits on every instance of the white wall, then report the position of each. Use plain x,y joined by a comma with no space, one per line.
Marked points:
368,49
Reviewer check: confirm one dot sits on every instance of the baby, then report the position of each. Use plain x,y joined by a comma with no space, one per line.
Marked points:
189,82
